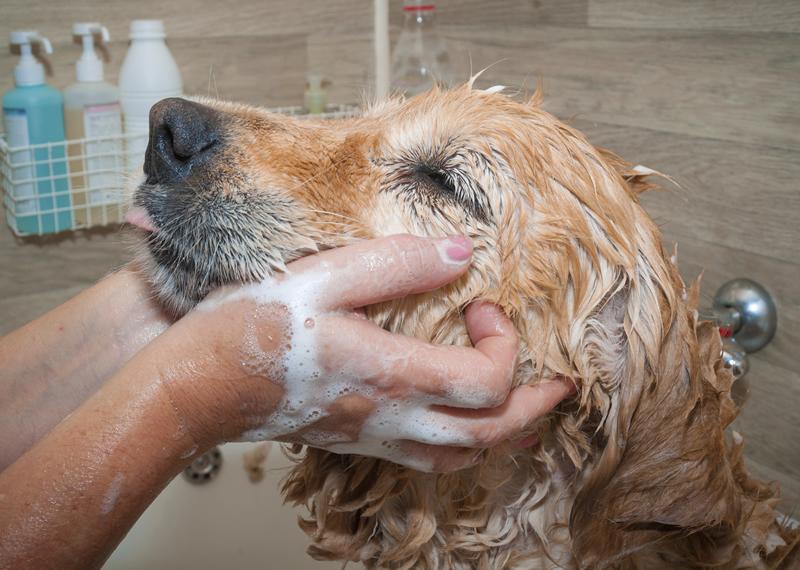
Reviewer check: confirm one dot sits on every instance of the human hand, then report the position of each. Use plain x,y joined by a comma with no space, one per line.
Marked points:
295,360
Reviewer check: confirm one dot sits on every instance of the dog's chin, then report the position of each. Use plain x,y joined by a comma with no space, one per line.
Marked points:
191,245
174,289
179,286
179,290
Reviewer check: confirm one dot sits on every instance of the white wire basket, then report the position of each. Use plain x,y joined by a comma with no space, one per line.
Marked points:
79,184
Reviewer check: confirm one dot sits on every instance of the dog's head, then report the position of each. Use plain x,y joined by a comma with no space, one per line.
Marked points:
237,192
561,243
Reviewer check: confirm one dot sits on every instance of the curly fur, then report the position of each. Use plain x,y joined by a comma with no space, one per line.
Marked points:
634,472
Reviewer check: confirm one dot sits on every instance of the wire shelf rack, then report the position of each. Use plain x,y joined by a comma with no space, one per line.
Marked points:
80,184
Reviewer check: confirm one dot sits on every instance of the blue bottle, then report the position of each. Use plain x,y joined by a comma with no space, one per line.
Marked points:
33,114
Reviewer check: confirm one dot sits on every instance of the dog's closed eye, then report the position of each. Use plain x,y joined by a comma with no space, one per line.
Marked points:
435,184
435,179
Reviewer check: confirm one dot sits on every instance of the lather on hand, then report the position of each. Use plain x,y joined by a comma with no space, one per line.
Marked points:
302,362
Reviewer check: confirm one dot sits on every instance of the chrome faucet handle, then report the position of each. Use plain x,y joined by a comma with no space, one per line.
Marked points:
747,319
734,358
752,311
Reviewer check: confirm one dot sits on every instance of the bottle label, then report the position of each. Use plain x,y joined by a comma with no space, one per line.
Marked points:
102,125
23,189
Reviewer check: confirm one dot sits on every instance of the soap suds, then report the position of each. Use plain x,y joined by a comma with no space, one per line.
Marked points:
311,386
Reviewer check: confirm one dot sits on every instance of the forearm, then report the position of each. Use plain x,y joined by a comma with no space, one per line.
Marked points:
50,366
78,491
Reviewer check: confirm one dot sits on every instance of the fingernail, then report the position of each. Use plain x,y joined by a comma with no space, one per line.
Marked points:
457,249
526,442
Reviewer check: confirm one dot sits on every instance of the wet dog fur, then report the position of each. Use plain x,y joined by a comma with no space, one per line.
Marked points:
636,471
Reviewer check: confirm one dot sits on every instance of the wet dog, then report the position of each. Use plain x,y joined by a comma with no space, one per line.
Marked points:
634,472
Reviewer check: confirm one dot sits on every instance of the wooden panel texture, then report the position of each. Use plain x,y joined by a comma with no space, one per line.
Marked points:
710,84
706,91
744,15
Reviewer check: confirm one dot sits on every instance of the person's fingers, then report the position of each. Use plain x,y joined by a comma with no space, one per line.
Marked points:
412,454
493,335
403,367
485,427
490,427
525,442
374,271
436,458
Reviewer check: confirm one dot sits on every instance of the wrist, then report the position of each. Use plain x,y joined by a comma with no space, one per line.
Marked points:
201,364
158,372
126,311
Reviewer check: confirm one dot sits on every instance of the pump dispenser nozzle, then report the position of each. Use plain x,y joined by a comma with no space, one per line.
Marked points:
29,71
89,67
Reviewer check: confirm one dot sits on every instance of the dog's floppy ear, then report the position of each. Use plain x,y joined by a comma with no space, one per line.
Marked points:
662,474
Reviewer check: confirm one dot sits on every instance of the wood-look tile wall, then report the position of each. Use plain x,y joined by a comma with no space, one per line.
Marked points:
705,91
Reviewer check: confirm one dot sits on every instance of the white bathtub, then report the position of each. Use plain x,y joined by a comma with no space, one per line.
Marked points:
228,523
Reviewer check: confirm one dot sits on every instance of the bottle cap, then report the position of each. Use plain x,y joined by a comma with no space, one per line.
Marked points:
418,6
29,71
89,67
147,30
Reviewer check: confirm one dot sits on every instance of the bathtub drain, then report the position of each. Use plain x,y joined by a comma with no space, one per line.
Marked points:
205,468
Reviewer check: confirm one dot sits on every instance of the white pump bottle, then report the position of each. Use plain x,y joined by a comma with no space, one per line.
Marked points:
149,73
92,111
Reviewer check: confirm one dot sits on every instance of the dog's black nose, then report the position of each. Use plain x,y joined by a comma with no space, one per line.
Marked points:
184,136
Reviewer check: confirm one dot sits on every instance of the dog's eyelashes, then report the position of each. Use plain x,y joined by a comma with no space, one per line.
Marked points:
434,182
436,179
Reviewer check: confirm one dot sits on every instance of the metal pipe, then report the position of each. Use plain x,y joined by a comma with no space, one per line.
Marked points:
381,42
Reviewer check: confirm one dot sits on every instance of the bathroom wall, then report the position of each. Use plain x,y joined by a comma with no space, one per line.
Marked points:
706,93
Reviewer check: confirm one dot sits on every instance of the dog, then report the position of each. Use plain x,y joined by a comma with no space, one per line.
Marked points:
635,471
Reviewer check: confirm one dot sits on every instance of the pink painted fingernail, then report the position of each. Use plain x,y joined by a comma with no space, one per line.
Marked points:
458,248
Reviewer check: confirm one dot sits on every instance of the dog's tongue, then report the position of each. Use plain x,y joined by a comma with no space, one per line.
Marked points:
138,217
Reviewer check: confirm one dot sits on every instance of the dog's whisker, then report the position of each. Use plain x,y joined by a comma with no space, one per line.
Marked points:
334,214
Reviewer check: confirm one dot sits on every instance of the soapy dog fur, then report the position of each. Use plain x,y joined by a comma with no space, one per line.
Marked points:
636,471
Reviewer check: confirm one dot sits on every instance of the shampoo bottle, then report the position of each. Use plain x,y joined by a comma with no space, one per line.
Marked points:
33,115
149,73
315,97
93,116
